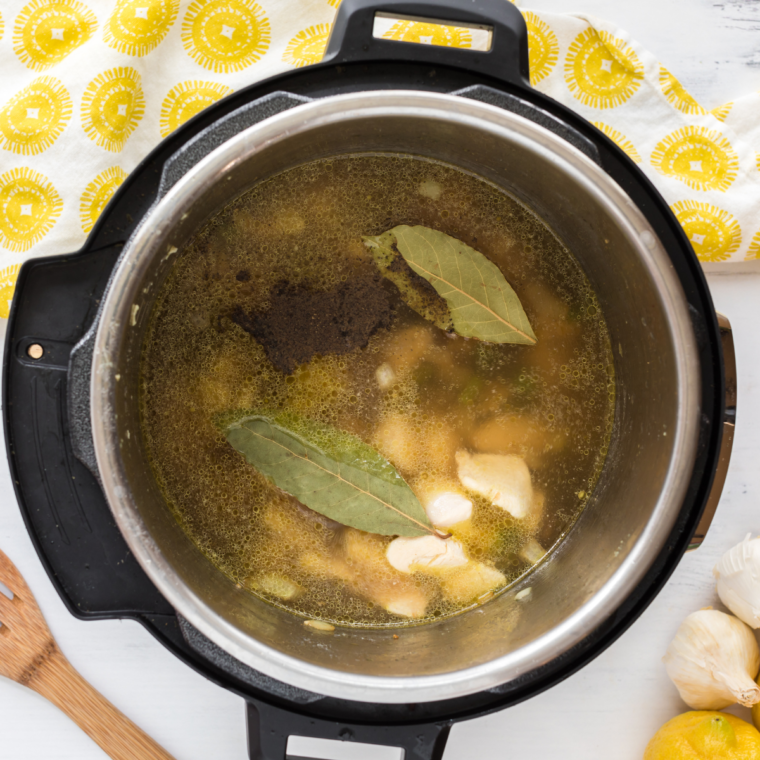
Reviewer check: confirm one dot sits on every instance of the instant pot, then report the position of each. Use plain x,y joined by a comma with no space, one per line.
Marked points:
89,498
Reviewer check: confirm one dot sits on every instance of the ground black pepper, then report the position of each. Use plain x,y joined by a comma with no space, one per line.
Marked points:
301,323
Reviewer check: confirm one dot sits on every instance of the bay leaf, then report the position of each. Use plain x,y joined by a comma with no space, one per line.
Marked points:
328,470
415,291
481,302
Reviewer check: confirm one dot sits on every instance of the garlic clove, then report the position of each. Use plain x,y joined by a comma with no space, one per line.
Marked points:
362,565
430,189
385,376
448,509
466,584
713,660
443,500
279,586
738,580
319,625
397,441
410,603
503,479
532,552
424,553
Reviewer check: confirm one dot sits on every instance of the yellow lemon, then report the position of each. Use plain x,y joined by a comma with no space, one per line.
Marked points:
46,32
307,46
29,207
430,34
225,35
754,253
601,70
186,100
112,106
698,156
676,94
620,140
34,117
8,277
138,26
97,194
713,232
704,736
543,48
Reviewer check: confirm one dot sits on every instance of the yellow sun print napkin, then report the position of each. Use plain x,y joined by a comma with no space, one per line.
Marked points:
703,163
89,88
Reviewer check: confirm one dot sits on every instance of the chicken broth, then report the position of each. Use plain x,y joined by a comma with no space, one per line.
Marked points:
247,321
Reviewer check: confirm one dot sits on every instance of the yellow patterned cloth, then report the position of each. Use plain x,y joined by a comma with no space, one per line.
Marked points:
704,163
88,88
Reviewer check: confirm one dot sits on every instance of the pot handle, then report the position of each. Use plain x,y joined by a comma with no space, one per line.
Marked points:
270,727
352,38
727,441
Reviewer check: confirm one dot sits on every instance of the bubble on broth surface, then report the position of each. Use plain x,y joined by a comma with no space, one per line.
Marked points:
551,404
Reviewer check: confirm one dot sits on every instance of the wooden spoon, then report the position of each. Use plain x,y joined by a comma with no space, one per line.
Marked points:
30,656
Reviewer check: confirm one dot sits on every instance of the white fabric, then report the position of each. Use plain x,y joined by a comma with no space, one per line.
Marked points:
87,89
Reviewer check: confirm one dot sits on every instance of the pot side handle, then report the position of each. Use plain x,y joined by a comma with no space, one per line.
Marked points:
270,727
352,38
727,441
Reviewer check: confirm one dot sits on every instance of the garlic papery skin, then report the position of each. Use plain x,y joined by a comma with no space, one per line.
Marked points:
713,661
738,574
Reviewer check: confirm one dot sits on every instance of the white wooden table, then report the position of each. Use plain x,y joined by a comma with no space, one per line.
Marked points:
608,710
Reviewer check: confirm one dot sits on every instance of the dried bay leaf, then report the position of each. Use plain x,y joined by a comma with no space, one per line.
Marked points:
328,470
416,292
482,304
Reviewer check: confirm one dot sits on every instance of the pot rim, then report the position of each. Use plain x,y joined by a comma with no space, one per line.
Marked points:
122,291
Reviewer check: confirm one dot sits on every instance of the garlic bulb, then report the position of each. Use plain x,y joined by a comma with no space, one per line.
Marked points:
738,574
713,661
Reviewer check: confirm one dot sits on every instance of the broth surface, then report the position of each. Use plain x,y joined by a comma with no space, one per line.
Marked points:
414,392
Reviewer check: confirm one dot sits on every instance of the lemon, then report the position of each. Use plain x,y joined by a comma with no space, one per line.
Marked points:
756,711
704,735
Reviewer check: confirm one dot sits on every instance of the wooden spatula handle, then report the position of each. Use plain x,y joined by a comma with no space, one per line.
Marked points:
56,679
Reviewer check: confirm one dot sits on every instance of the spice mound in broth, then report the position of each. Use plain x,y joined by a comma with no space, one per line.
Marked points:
276,304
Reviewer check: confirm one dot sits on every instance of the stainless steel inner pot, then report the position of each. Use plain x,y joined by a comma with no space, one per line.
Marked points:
650,460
